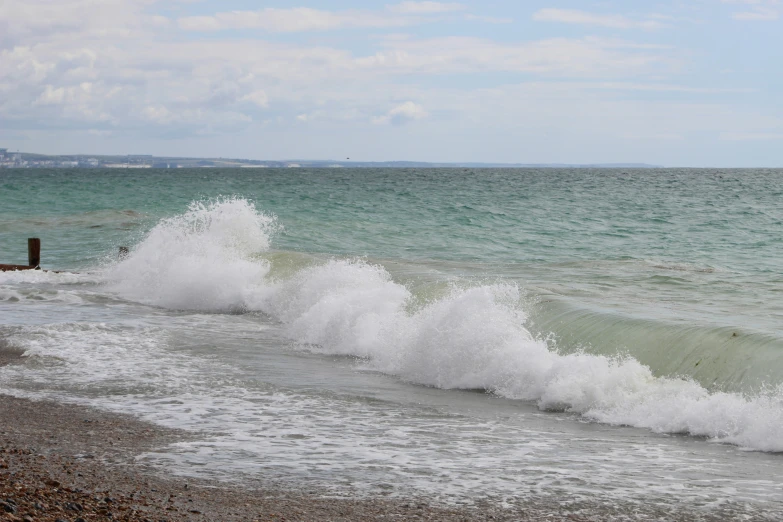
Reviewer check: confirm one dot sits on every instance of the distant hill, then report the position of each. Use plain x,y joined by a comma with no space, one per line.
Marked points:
31,160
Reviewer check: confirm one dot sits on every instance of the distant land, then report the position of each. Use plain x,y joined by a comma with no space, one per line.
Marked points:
140,161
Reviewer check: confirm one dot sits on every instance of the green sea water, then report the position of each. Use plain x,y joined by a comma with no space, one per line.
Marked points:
680,268
609,337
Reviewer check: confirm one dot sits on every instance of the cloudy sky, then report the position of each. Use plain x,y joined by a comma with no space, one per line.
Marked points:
674,82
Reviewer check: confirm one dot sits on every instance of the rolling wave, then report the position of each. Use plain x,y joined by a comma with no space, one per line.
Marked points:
211,258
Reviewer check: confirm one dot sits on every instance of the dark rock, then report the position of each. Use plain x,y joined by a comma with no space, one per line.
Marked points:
8,507
74,506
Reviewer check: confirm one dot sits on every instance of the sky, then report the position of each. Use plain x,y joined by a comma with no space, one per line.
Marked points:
694,83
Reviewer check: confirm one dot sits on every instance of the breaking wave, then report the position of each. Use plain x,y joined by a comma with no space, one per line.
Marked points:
200,260
211,259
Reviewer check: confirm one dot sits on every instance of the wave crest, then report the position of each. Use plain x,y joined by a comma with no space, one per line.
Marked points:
204,259
471,338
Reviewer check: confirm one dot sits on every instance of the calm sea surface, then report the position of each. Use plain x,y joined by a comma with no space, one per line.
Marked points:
608,339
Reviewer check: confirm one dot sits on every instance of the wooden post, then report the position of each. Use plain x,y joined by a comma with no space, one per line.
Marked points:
34,252
124,251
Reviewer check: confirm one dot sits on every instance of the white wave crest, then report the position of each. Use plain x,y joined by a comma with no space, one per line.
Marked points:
472,338
200,260
475,339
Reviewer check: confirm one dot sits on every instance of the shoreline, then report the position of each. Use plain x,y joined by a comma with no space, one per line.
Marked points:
64,462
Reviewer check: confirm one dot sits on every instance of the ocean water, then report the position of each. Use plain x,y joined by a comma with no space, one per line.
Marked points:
606,340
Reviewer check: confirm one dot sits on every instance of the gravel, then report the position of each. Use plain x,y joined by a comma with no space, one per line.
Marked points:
68,463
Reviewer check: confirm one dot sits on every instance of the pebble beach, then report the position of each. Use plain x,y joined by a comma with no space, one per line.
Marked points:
68,463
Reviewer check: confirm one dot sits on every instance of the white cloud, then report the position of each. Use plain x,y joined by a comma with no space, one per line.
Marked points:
758,10
661,87
759,14
557,56
102,133
425,7
292,20
112,68
51,96
82,102
157,114
488,19
300,19
401,114
573,16
100,19
184,84
752,136
206,121
257,97
534,109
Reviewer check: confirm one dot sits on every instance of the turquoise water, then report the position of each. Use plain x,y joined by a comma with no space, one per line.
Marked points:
645,251
706,219
649,299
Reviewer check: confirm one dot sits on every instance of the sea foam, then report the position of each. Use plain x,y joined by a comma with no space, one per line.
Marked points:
200,260
472,338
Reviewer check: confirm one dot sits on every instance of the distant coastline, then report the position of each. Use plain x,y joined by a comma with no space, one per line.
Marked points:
31,161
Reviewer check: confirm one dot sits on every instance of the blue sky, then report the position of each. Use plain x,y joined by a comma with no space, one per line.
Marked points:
678,83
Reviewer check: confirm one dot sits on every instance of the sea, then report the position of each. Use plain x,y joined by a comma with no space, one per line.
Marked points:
605,341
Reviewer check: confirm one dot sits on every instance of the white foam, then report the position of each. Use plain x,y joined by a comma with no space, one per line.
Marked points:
343,440
44,276
201,260
474,338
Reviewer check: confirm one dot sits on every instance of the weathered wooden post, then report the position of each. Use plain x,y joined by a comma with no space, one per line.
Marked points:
33,252
124,251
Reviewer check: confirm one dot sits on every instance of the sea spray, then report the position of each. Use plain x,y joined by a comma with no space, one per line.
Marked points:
203,259
473,338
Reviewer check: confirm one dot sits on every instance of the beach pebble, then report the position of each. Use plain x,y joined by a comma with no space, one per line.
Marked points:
73,506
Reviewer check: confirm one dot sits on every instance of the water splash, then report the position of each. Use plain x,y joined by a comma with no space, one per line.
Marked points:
473,338
204,259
